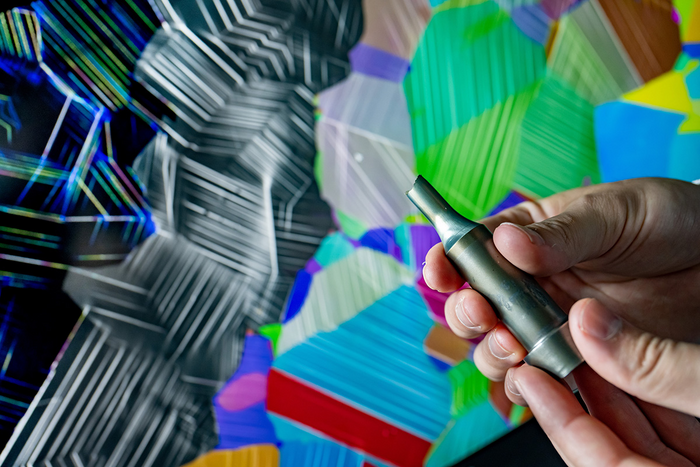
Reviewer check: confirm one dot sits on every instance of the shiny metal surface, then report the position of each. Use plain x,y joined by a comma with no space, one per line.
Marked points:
519,301
449,224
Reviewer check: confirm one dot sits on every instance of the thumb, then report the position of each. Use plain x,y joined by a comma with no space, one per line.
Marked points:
660,371
586,230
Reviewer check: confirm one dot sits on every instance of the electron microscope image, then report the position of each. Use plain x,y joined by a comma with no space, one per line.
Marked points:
207,257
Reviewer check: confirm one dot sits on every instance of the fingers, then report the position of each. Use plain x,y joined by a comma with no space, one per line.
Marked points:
438,272
586,230
498,352
512,390
678,431
656,370
619,412
581,439
469,314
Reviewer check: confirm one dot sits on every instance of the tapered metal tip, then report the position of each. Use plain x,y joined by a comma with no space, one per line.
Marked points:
450,225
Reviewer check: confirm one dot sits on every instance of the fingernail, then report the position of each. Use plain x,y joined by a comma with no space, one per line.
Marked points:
511,385
535,238
463,316
599,323
497,349
425,279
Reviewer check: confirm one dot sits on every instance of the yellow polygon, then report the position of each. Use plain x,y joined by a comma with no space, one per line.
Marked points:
692,29
261,455
667,92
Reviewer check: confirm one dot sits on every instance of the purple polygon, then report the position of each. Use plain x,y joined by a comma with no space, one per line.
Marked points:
423,238
513,199
379,63
251,425
313,266
556,8
533,22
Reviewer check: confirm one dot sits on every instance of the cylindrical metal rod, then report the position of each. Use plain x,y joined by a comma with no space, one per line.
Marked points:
519,301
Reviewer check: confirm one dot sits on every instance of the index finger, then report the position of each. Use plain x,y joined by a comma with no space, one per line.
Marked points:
529,212
580,439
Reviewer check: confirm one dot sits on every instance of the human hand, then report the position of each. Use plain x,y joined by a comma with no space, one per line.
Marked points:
634,246
635,425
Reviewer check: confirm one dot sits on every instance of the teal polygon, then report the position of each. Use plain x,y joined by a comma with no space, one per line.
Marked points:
333,248
466,435
376,363
458,74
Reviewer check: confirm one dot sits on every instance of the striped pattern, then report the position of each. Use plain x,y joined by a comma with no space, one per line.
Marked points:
169,284
375,361
264,455
363,135
20,36
80,415
320,453
341,291
473,168
557,148
469,388
94,48
574,58
647,32
466,435
595,27
468,61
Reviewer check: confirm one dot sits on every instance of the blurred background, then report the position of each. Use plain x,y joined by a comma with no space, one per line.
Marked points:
206,254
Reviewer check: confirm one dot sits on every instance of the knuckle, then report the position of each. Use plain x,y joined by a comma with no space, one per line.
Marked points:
488,369
534,209
652,373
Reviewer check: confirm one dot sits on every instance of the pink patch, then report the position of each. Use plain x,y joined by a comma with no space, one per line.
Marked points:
245,392
555,8
676,16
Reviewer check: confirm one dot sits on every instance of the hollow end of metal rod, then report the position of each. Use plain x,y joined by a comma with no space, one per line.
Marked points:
449,225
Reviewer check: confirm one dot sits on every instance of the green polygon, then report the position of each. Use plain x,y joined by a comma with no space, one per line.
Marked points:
272,332
318,170
485,26
557,147
682,62
473,167
469,388
685,9
516,414
469,60
352,227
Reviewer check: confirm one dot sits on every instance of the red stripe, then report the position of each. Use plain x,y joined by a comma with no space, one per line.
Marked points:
295,400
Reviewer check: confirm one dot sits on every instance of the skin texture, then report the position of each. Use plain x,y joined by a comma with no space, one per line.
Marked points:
624,258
